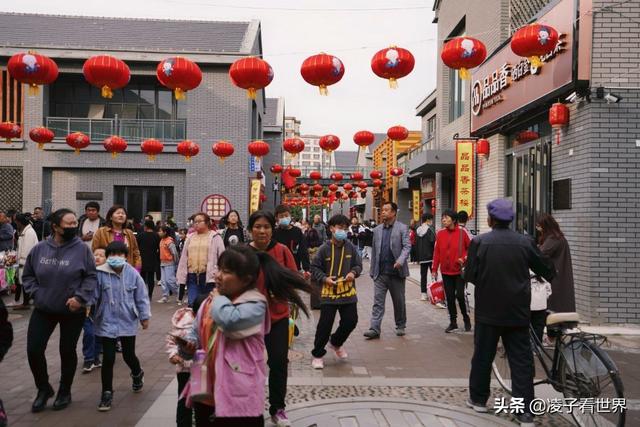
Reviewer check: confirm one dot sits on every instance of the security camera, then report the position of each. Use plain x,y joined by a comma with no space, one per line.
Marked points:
572,98
612,99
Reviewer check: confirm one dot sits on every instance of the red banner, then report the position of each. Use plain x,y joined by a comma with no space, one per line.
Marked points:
465,176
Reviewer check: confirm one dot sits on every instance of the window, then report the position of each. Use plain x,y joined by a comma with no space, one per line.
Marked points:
139,201
456,84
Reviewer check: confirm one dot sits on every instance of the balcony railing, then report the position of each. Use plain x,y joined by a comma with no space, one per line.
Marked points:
133,130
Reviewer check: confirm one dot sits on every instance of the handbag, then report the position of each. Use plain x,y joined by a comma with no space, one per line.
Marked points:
540,291
435,291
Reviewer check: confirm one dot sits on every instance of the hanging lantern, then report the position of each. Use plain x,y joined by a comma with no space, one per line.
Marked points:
362,185
357,176
188,149
276,168
315,175
363,138
41,136
179,74
315,201
344,196
9,131
317,188
258,148
114,145
303,187
375,174
527,136
463,53
151,147
295,172
333,187
322,70
533,41
433,206
251,74
263,198
377,183
392,63
336,176
397,172
398,133
483,149
558,117
32,69
78,141
293,146
353,195
347,187
222,149
107,73
329,143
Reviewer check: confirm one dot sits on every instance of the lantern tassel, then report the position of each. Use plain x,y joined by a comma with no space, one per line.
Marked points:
251,93
557,136
464,74
106,92
77,151
33,90
221,160
8,140
40,146
323,90
114,154
393,83
151,157
187,159
180,94
535,61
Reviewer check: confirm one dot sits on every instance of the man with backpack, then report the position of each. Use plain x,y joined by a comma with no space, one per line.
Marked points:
425,242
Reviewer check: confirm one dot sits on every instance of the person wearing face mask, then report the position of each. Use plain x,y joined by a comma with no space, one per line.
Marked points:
292,237
122,301
60,276
335,267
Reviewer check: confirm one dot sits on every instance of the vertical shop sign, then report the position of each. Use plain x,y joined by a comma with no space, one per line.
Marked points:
254,196
464,176
416,205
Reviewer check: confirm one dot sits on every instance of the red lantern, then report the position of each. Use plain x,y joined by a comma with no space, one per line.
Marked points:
78,141
315,175
263,198
344,196
151,147
295,173
222,149
32,69
392,63
179,74
347,187
333,187
258,148
533,41
188,149
397,171
303,187
276,168
293,146
362,185
398,133
41,136
107,73
315,201
462,53
317,188
364,138
114,145
329,143
377,183
357,176
322,70
527,136
9,131
483,149
353,195
251,74
375,174
336,176
558,117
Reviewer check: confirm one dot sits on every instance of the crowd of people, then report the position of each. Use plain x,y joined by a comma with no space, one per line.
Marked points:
97,275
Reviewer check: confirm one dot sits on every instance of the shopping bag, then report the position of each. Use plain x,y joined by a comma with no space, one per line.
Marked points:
435,291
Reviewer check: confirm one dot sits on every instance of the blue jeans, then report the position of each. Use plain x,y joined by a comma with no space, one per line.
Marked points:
91,345
196,285
168,277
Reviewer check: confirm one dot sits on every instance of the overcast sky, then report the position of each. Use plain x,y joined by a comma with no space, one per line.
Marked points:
292,30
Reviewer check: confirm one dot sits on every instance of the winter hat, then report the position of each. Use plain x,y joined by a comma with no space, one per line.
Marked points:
182,322
500,210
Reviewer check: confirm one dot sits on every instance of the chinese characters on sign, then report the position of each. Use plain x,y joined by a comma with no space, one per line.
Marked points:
254,196
416,205
464,176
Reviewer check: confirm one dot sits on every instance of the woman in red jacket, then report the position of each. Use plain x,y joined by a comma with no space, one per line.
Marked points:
449,255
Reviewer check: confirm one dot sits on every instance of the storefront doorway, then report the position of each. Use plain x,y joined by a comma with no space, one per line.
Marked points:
140,201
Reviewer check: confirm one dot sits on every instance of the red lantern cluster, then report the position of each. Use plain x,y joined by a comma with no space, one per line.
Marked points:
277,168
398,133
9,131
293,146
151,147
107,73
41,136
179,74
322,70
222,149
533,41
329,143
251,74
114,145
462,53
558,117
32,69
78,141
258,148
303,187
315,175
188,149
392,63
317,187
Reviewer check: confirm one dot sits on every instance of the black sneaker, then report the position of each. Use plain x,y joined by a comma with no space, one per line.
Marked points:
87,366
371,334
97,363
452,327
105,401
41,399
138,382
467,325
525,419
478,407
63,399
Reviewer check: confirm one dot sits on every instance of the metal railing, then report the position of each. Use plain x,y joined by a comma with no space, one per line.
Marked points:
133,130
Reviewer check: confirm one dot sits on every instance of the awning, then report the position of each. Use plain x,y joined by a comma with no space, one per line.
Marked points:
432,161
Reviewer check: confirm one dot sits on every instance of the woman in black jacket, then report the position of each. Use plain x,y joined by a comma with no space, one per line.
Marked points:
425,242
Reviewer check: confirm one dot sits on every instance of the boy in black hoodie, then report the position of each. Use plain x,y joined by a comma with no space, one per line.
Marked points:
335,267
292,237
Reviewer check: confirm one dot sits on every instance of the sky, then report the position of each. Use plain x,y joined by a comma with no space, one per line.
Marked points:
293,30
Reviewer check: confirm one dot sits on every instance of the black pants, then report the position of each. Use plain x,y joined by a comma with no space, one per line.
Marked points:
425,268
41,326
205,417
348,322
538,321
149,278
277,343
518,347
454,290
109,358
183,288
20,290
184,415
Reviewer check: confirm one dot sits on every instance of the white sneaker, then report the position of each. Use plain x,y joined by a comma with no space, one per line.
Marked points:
163,300
423,297
441,305
179,302
340,352
317,363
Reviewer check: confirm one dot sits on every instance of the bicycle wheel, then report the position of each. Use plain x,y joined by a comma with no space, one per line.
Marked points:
500,368
586,372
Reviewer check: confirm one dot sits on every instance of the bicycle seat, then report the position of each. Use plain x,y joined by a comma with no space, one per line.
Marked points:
555,318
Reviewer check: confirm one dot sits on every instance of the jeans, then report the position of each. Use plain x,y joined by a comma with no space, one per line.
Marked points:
109,358
395,285
425,268
41,326
454,290
196,285
348,322
149,278
168,277
91,345
277,343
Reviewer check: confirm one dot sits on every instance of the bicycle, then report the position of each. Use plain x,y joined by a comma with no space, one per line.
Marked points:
577,367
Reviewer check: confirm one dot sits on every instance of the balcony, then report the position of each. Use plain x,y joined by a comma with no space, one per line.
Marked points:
133,130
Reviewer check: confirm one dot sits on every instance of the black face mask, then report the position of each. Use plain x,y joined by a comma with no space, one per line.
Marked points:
69,233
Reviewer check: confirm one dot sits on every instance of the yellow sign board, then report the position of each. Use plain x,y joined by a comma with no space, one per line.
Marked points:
254,196
416,205
465,176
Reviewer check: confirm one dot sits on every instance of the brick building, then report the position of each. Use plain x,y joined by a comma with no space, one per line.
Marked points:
55,177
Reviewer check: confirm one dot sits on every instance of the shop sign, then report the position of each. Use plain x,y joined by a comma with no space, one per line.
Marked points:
464,176
216,206
254,196
416,205
428,188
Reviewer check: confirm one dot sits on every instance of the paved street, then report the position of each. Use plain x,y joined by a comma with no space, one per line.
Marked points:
417,377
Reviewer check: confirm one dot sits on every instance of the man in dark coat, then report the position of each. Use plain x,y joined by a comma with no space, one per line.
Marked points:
149,244
425,242
498,265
